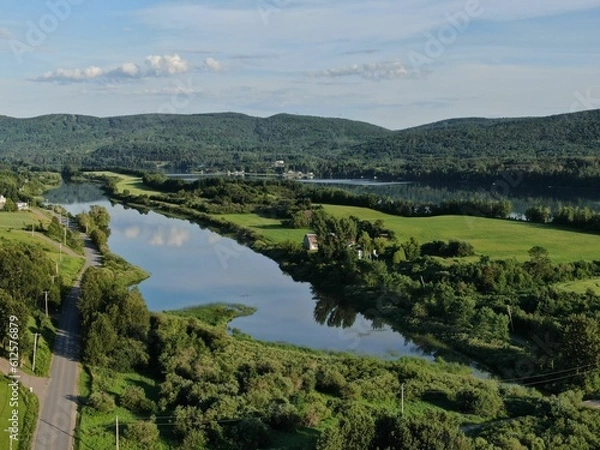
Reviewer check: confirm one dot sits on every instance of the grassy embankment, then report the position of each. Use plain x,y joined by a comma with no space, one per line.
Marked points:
126,182
14,228
27,406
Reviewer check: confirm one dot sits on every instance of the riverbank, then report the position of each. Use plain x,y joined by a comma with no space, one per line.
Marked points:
291,260
466,304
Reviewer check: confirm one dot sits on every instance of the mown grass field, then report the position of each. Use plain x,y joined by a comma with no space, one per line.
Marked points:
581,286
129,182
492,237
16,220
271,229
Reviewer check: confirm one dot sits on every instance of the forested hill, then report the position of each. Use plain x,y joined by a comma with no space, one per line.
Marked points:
326,146
203,139
521,139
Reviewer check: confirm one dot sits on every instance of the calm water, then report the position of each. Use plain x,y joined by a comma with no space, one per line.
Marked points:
521,195
194,266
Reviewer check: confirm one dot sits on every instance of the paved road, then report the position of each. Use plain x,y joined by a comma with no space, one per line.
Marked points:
56,422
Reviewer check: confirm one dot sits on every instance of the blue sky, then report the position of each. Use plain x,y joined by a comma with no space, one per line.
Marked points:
395,63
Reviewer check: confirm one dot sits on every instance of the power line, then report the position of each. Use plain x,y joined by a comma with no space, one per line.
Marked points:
533,383
545,374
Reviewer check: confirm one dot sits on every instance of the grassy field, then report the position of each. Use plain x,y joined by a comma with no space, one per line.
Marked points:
493,237
11,231
130,182
16,220
581,286
271,229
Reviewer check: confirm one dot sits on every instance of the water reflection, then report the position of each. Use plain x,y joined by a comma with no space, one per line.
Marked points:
191,266
331,312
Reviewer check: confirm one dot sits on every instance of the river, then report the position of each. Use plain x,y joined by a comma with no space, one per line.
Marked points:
192,266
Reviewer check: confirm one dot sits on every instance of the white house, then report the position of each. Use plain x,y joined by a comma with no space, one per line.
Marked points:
22,206
2,201
311,242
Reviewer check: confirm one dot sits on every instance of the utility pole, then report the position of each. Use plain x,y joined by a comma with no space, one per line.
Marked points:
402,399
35,335
46,302
32,230
65,236
60,251
512,326
117,431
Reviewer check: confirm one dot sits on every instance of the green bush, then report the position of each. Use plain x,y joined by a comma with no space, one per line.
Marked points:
250,434
101,401
481,402
284,417
134,399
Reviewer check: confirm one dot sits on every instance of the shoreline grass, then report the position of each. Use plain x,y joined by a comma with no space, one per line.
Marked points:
126,182
214,314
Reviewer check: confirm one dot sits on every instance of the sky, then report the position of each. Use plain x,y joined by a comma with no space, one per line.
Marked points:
394,63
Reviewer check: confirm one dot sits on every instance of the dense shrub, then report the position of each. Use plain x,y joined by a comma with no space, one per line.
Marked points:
452,249
102,401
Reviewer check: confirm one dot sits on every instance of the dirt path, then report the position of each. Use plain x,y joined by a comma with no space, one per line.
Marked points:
38,384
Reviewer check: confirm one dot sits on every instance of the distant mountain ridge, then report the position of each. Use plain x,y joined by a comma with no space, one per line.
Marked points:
238,140
64,138
526,138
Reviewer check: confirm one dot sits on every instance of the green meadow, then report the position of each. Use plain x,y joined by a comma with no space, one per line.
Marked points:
127,182
271,229
495,238
581,286
13,229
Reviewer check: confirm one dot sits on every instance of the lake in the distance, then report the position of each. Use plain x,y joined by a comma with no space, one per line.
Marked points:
194,266
521,195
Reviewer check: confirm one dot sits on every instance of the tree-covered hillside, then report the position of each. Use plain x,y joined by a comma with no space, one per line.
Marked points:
565,135
566,145
188,141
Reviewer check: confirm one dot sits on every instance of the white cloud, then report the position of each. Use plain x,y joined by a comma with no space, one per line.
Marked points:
157,239
153,67
5,34
371,71
177,238
213,65
133,232
172,238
